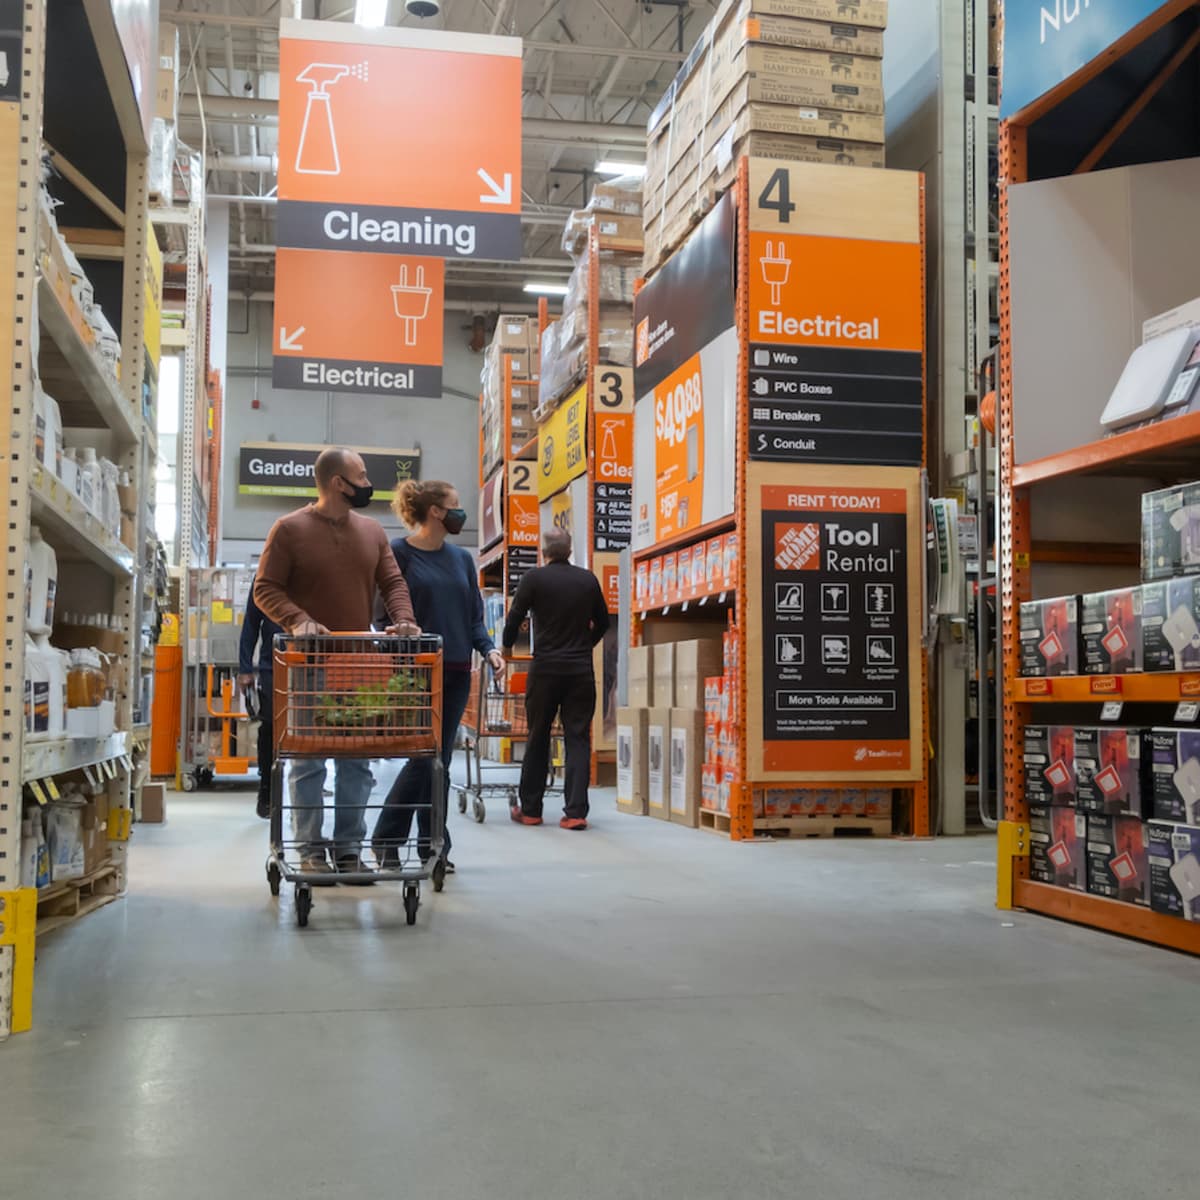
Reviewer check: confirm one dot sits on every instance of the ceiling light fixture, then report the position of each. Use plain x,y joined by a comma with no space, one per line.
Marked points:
610,166
546,289
371,13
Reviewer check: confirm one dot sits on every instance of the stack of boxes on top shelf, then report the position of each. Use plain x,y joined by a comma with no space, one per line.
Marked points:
161,164
615,212
513,353
665,739
1115,810
791,79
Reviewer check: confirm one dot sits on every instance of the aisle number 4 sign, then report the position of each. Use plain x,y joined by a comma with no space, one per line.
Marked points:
399,141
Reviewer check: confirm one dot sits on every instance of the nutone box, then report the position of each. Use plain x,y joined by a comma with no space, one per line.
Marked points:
632,762
658,771
687,760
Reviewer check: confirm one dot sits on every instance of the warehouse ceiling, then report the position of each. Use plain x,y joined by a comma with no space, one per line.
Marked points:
593,71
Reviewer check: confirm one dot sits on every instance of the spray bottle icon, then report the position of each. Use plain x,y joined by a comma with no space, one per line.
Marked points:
317,153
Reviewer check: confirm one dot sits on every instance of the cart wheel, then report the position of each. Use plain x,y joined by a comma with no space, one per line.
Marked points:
462,800
412,901
205,777
273,877
438,875
303,903
479,810
189,783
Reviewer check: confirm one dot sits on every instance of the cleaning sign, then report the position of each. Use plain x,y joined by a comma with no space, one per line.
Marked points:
399,141
363,323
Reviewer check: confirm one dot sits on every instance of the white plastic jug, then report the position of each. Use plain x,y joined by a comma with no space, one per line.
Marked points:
55,663
29,853
87,486
53,441
43,588
37,687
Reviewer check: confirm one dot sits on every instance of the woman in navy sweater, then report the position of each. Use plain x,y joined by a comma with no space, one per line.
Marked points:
445,595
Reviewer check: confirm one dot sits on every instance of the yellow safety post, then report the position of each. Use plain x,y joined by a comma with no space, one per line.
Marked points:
1012,843
18,929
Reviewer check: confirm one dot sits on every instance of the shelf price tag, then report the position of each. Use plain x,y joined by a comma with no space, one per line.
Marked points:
1038,687
1111,710
1187,712
90,775
36,788
1189,685
51,789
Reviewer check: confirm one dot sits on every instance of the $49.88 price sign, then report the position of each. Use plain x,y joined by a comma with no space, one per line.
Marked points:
679,449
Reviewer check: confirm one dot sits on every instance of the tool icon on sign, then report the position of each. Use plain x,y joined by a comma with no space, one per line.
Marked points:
881,651
760,386
789,650
317,153
835,598
411,304
789,597
776,267
835,650
881,599
608,440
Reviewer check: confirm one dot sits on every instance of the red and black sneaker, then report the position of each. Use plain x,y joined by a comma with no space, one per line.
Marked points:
519,816
575,823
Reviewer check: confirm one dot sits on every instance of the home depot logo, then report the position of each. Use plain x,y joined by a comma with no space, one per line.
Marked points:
864,753
797,547
643,340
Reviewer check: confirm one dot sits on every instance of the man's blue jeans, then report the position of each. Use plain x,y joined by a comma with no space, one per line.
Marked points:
351,792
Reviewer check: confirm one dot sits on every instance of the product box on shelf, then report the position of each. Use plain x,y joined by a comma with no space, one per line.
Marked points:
640,676
663,667
1057,848
1171,532
1174,855
1175,775
834,34
1175,318
684,559
699,570
1117,863
730,561
716,560
641,586
1110,626
656,582
695,663
714,687
1049,634
709,786
671,578
1171,624
870,13
711,740
658,769
513,332
1049,765
1108,771
687,746
632,761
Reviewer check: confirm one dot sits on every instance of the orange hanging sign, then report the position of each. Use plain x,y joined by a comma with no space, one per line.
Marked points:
399,141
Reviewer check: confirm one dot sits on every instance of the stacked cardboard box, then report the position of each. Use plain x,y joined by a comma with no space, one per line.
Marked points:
513,353
615,214
721,773
789,79
663,734
161,161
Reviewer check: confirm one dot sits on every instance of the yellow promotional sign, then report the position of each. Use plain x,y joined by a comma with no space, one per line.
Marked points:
562,512
562,445
153,298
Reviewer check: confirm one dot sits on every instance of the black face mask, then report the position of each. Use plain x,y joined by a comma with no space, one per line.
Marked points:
360,495
454,520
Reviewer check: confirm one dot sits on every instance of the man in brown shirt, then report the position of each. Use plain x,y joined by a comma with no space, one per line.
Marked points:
318,573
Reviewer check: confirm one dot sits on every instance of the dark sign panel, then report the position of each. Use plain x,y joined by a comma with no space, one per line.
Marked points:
278,469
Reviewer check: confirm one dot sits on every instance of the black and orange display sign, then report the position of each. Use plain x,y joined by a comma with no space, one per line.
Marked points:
837,328
365,323
612,482
399,141
832,605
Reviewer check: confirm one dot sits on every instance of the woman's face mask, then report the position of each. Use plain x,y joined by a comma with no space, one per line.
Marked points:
454,520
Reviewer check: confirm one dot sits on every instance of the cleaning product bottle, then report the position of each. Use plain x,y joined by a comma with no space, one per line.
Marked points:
37,681
43,850
55,663
88,486
29,853
43,563
39,421
52,458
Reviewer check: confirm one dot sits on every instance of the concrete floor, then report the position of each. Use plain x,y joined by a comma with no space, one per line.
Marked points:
636,1012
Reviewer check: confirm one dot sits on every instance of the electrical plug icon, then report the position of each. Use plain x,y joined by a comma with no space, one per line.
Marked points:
776,267
411,304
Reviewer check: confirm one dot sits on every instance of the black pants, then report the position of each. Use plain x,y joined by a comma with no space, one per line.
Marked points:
547,696
410,792
266,738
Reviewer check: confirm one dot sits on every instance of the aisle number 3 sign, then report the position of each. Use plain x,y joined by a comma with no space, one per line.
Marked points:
399,141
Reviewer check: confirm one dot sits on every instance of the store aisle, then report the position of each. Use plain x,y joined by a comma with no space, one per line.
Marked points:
639,1011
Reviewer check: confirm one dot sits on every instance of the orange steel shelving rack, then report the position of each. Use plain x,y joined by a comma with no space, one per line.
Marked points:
1169,450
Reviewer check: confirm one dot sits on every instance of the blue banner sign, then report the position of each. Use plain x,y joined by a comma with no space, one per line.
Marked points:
1047,41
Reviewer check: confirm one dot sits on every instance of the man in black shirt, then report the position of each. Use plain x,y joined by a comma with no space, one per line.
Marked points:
569,618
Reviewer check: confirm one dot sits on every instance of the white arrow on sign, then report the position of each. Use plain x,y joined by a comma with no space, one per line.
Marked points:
500,194
287,341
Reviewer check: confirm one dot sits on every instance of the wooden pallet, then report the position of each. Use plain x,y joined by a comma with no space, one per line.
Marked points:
63,902
800,826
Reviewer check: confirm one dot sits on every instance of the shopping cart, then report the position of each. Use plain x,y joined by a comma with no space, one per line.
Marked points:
497,710
357,696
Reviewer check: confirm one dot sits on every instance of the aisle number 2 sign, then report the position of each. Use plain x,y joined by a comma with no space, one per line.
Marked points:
399,141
